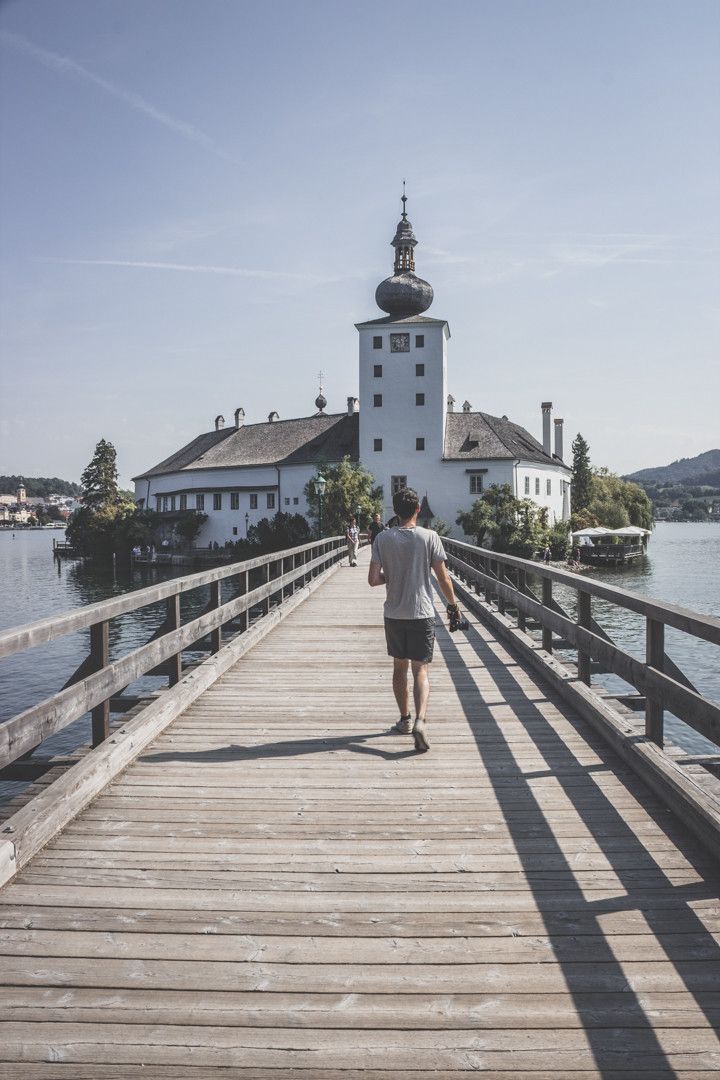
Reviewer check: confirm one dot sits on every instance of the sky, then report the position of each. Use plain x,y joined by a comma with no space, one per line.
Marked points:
197,199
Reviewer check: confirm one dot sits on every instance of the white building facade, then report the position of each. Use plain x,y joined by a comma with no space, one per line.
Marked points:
404,429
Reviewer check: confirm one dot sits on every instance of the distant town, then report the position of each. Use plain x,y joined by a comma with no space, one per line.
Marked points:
28,511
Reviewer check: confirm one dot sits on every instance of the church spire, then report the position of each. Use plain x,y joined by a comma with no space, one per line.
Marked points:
404,294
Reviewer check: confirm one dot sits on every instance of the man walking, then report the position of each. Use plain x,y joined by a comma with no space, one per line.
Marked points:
401,560
376,527
352,536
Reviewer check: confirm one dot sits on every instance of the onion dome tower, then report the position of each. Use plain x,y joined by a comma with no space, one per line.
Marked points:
320,400
404,294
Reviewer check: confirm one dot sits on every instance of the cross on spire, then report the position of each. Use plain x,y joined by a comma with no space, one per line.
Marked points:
403,200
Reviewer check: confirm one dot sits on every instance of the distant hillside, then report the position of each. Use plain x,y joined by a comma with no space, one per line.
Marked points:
698,470
37,487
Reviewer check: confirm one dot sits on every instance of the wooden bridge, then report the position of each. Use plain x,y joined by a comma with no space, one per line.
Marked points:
253,877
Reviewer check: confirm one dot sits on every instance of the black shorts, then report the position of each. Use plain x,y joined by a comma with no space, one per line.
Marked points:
410,639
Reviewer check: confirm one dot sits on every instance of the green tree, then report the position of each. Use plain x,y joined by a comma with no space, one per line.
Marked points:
349,489
99,481
581,474
615,502
509,525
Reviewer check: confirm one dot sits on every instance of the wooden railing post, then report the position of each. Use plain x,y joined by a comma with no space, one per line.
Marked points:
215,602
501,579
521,587
245,586
172,622
584,620
266,579
547,588
655,658
100,655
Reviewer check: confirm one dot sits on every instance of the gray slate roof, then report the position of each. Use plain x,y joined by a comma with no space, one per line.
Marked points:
306,440
471,436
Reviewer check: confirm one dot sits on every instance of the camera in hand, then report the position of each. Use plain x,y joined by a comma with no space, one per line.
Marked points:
455,619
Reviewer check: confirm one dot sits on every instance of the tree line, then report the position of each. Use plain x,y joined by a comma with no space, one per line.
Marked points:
38,487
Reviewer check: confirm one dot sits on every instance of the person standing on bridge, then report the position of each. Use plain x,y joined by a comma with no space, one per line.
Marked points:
352,538
401,560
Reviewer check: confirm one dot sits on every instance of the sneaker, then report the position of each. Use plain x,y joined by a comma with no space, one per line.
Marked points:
420,735
404,725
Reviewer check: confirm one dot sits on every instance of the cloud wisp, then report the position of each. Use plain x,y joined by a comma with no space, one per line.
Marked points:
194,268
64,65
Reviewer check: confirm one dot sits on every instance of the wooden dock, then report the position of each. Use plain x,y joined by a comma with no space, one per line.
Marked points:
280,887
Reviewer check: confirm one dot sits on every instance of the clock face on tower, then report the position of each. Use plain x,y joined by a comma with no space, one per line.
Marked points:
399,343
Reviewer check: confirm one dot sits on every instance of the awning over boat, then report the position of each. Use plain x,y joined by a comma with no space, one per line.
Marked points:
594,532
631,530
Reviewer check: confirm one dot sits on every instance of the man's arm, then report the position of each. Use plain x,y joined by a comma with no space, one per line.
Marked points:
444,580
375,574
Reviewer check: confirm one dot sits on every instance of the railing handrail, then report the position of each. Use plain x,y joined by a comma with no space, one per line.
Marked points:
27,636
659,682
692,622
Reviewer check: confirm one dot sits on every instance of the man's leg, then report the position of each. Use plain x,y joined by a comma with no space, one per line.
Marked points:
421,687
400,686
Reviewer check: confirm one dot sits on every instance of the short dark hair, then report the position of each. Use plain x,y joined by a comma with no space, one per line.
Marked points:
405,503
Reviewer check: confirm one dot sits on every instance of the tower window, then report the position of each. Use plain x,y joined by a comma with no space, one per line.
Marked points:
419,444
217,501
419,341
377,371
234,500
377,401
253,501
476,484
398,482
377,343
377,444
537,485
419,369
419,399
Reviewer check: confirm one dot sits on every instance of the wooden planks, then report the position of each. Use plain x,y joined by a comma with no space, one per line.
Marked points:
280,886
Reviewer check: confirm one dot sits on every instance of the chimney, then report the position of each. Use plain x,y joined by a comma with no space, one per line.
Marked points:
467,407
450,403
219,423
353,406
273,416
239,417
546,412
559,439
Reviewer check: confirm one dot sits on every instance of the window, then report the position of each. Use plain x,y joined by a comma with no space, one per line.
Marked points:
377,401
399,343
419,341
537,485
165,502
398,482
271,500
253,501
234,530
419,444
377,343
377,444
419,399
419,369
199,502
158,500
172,502
217,501
548,487
287,502
183,502
234,500
377,371
476,483
296,501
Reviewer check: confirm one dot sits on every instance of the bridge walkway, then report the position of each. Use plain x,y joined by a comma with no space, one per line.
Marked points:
280,887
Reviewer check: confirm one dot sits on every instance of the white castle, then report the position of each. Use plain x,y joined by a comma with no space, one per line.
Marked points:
404,428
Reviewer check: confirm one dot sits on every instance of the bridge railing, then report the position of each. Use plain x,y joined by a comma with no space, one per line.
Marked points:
511,584
259,584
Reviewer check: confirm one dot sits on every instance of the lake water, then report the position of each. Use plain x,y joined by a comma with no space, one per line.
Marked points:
682,567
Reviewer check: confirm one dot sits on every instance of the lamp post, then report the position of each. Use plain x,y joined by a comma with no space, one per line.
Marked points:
247,521
320,484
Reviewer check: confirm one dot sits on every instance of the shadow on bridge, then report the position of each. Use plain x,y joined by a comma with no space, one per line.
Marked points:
647,890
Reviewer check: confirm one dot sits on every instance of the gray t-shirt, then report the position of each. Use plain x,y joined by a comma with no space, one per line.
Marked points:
406,556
